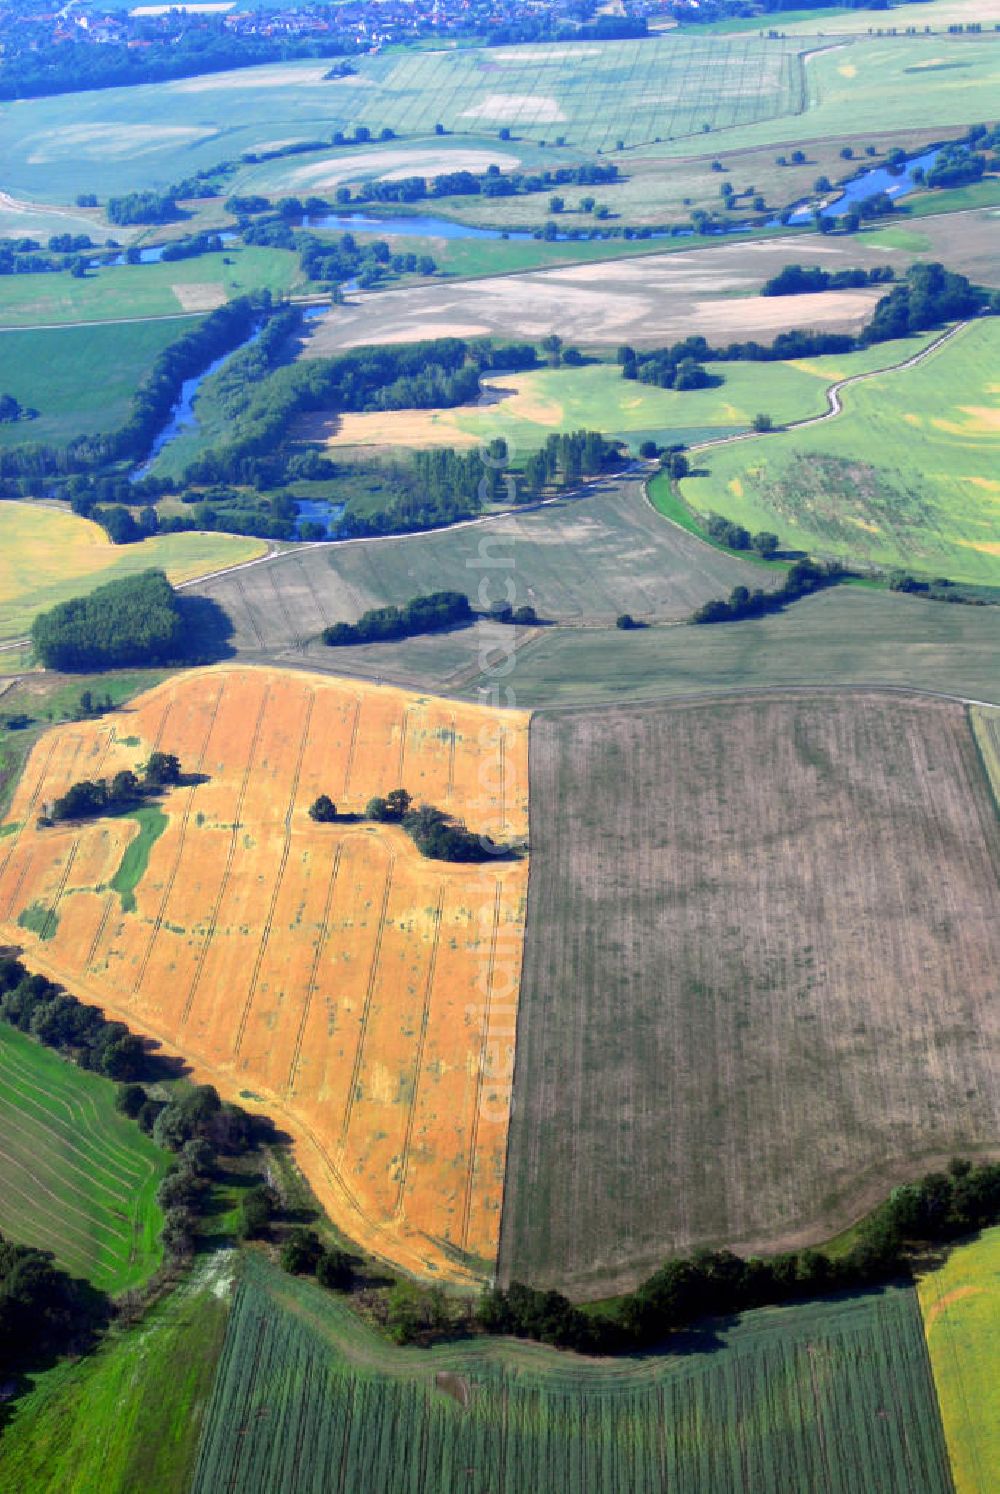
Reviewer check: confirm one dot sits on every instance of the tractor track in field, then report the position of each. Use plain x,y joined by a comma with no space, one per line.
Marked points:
185,817
418,1060
279,878
230,857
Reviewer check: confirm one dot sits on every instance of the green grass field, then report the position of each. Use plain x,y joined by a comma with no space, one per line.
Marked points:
663,92
905,476
531,406
845,637
48,555
79,379
960,1302
76,1178
158,290
833,1396
116,139
128,1417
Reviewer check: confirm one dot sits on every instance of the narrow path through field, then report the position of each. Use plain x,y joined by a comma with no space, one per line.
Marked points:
833,392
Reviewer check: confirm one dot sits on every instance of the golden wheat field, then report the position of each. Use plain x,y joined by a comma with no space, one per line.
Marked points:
326,974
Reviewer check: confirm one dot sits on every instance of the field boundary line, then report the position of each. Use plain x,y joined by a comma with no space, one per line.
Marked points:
736,692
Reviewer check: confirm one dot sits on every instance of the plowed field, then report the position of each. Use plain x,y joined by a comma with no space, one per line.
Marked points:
361,995
760,976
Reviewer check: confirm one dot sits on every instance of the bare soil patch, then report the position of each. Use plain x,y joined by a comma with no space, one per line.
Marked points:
200,296
760,976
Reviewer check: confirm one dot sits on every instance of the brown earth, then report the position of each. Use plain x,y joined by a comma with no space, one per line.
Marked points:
759,983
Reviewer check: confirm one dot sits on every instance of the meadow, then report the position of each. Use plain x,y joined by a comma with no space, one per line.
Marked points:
833,1396
760,931
526,408
120,292
48,555
119,139
128,1416
905,476
581,560
960,1301
360,995
76,1178
54,373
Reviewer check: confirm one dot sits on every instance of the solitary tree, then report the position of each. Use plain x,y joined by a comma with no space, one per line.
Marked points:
323,810
763,423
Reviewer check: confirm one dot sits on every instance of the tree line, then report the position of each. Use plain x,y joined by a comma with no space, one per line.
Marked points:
927,296
801,280
802,579
436,835
423,614
941,1207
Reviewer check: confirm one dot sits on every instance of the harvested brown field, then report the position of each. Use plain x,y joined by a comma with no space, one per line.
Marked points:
760,979
655,298
329,975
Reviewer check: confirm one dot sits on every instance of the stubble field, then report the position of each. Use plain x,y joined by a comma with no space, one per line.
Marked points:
581,561
904,476
360,995
758,977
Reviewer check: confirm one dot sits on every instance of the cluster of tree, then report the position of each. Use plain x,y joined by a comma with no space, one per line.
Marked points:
43,1311
141,207
549,25
803,578
196,1125
304,1254
78,1032
940,589
735,537
423,614
799,280
435,834
90,798
565,459
941,1207
192,247
205,46
667,368
961,161
133,621
928,296
26,257
11,410
439,837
